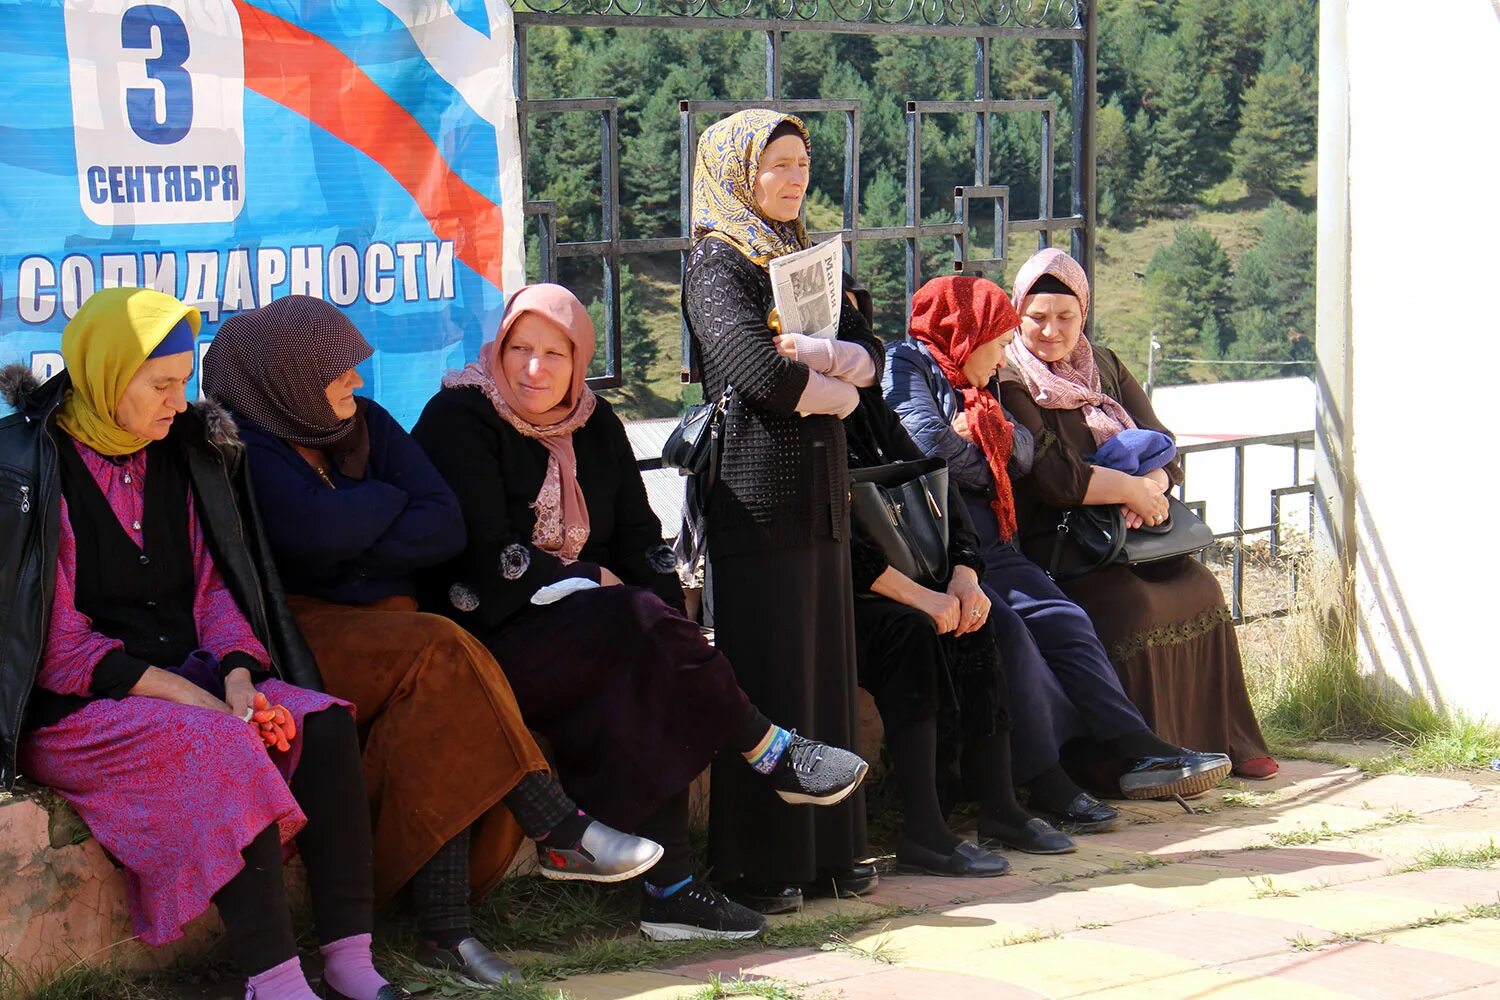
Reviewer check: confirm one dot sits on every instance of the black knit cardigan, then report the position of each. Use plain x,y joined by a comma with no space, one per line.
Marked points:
783,481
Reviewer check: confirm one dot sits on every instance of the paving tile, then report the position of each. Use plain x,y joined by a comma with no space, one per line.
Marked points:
1336,912
1303,865
1376,971
908,984
801,965
1475,940
1059,968
627,986
1179,885
1415,793
936,938
1066,910
1205,937
1217,984
1450,887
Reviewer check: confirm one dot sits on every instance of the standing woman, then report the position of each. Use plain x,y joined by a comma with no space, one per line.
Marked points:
354,510
148,651
778,519
1165,626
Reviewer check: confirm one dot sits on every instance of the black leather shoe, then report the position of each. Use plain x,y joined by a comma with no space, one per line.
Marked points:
765,897
1036,837
1085,814
1162,777
967,860
847,883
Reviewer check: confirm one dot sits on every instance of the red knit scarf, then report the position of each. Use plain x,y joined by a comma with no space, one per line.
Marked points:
955,315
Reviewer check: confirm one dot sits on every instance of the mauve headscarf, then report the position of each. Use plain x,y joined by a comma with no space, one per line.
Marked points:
1071,383
954,316
273,366
562,513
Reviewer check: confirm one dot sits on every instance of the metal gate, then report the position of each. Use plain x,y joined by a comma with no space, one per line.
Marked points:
1063,22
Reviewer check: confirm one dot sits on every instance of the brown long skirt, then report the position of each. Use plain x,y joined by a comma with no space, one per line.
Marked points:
1170,638
443,739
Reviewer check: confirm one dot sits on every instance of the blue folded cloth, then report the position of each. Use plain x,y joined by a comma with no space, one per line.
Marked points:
1136,451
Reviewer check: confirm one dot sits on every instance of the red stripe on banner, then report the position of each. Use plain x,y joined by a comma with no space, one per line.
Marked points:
308,75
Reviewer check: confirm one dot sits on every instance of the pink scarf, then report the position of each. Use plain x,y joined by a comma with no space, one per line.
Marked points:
1073,382
562,513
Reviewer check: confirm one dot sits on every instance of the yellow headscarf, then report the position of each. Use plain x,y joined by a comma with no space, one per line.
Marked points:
724,187
104,345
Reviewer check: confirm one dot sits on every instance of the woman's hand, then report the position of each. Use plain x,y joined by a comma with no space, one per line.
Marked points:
973,603
960,427
943,609
786,345
608,579
163,684
1146,497
1132,519
239,691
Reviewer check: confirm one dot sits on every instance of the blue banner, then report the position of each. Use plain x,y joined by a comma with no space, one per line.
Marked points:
230,153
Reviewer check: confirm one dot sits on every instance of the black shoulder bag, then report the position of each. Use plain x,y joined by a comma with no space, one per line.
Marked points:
903,507
696,442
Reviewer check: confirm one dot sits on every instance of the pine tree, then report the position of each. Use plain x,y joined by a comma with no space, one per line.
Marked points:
1274,295
1112,148
1187,291
1150,195
1278,131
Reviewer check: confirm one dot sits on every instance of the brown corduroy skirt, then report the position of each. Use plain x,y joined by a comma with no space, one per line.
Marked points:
443,739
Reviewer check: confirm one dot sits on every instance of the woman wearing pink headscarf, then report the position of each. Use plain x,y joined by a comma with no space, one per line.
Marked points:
566,579
1165,625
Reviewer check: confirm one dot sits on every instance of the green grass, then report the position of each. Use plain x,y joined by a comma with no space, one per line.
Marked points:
1307,686
771,989
1442,856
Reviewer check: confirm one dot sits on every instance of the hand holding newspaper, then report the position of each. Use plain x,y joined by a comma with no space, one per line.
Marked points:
807,286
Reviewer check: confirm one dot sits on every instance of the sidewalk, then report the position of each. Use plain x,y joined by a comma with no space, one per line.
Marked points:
1320,884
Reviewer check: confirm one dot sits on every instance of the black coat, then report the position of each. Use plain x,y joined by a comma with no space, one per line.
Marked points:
30,508
496,472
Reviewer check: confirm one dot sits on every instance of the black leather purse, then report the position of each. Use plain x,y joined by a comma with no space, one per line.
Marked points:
1091,537
903,507
695,443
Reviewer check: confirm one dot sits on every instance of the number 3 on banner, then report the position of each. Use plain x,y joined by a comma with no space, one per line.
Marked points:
158,110
140,28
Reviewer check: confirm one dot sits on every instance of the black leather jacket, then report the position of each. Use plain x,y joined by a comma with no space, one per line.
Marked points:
30,507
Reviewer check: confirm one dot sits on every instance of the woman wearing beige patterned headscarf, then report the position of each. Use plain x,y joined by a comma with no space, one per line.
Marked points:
777,521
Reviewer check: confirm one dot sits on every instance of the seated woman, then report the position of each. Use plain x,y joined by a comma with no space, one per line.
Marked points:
930,660
353,510
172,703
567,581
940,382
1165,625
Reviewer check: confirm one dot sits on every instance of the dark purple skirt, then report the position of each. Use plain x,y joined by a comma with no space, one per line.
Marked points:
632,698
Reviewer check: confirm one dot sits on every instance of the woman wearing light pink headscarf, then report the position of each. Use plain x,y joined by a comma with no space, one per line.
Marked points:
566,579
1165,625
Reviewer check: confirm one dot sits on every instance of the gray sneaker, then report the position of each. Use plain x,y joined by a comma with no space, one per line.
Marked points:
603,855
817,774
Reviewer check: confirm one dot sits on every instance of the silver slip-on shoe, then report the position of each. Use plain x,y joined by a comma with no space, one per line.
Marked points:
470,961
603,855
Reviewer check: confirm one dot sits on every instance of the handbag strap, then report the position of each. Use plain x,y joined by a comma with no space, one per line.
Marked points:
1060,540
715,439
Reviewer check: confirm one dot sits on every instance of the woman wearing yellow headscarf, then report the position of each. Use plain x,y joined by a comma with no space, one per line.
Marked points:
164,691
777,520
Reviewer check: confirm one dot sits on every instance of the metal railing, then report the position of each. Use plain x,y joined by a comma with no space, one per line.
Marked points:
1240,531
1070,22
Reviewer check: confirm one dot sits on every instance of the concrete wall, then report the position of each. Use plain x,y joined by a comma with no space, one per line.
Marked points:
1408,341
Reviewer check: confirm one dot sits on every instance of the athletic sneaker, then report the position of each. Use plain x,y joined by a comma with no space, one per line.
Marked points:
698,910
816,773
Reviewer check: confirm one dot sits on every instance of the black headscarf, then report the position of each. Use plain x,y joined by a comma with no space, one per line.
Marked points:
273,366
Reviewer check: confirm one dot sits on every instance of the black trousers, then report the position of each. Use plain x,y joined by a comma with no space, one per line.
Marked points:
335,846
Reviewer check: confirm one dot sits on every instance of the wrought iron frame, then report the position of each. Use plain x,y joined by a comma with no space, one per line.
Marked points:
981,20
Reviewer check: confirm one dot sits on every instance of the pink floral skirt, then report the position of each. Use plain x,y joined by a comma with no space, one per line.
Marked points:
174,792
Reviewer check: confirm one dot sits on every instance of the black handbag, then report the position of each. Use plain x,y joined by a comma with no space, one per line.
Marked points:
694,445
1094,536
903,508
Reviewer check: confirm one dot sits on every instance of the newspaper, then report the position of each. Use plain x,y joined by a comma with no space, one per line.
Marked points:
807,286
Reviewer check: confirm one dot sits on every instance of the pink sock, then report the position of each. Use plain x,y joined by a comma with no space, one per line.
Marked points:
347,968
280,982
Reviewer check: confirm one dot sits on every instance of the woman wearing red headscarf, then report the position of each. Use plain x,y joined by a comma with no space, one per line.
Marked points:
1168,632
941,383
